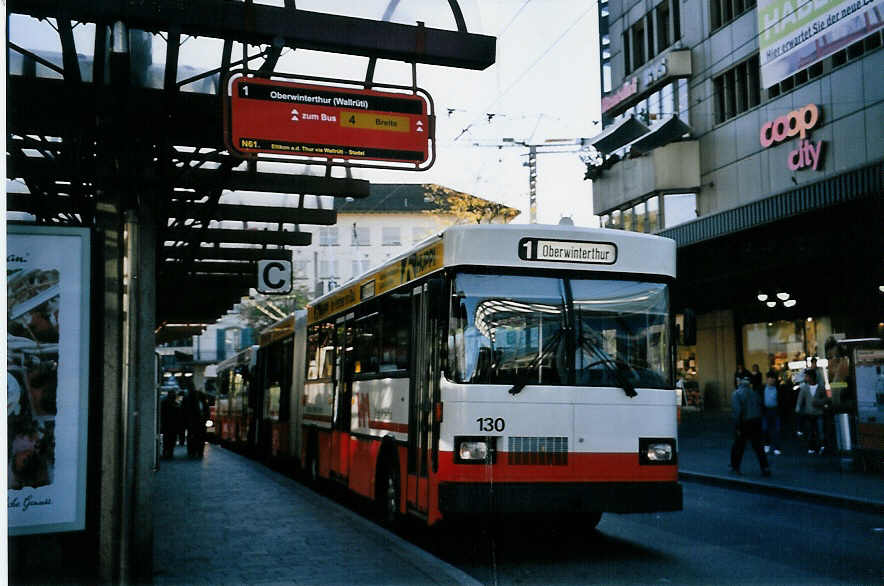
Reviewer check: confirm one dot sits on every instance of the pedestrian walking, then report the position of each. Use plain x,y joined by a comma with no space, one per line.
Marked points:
747,418
810,405
771,421
755,377
740,374
169,423
182,427
195,414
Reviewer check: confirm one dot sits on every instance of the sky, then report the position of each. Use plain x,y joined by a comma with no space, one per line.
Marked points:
544,85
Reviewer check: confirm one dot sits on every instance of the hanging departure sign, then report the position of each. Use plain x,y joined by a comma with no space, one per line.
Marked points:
297,120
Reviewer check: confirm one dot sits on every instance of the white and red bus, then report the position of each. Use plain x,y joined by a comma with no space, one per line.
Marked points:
496,369
233,416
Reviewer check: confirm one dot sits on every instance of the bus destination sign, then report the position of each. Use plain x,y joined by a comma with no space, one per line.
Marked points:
288,118
538,249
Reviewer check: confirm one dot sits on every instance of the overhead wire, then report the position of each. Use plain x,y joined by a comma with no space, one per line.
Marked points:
530,67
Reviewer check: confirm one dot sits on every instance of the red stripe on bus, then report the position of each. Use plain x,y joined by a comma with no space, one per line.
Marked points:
389,426
581,467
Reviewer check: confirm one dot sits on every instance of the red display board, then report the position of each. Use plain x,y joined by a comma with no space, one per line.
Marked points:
308,120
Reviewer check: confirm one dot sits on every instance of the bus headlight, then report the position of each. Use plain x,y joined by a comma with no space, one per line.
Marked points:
473,450
657,450
660,453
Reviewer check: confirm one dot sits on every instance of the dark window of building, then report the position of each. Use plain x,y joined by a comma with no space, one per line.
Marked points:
787,84
872,41
737,90
839,58
855,50
652,47
815,70
719,99
724,11
753,70
627,62
676,21
663,26
638,44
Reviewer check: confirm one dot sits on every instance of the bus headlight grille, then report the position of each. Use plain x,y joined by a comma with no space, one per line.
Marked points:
537,451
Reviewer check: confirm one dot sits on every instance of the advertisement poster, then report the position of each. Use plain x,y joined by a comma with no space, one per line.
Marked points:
870,385
794,34
47,369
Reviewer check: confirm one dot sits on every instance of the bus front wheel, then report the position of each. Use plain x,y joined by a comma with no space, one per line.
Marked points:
387,494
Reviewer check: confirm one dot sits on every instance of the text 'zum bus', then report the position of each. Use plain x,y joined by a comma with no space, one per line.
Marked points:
493,369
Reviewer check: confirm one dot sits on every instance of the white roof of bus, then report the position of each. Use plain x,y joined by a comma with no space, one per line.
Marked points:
497,245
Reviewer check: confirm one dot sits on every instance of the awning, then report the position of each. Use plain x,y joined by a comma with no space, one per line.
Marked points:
671,130
621,133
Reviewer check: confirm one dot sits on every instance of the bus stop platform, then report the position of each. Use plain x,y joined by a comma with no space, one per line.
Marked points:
226,519
704,444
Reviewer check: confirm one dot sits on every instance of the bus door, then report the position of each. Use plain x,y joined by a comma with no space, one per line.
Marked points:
343,397
420,399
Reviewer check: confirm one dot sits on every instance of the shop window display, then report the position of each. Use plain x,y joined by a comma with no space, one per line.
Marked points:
785,343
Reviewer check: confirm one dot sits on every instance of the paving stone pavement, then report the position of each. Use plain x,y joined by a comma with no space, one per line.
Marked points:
226,519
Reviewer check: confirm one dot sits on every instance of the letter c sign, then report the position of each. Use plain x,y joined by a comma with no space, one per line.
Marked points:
274,276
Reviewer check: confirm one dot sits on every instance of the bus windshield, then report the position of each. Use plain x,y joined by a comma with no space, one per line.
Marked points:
525,330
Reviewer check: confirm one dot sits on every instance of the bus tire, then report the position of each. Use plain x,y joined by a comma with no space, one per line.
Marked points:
387,489
312,468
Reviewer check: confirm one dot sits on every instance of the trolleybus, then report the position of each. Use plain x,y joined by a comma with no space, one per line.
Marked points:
496,369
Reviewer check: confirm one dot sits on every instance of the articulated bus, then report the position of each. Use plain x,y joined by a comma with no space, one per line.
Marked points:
233,415
496,369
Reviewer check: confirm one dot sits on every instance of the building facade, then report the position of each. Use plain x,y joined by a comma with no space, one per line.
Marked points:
754,136
392,219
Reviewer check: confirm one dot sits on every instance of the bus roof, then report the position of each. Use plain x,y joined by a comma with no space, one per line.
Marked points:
508,245
244,356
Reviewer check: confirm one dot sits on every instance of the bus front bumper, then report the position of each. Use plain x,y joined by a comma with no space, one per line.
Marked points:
559,497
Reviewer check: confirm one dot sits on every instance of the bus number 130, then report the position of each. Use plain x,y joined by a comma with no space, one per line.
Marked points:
491,424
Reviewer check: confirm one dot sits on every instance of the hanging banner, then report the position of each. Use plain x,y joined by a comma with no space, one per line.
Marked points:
47,377
794,34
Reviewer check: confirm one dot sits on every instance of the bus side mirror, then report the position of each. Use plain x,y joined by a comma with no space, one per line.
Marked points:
690,328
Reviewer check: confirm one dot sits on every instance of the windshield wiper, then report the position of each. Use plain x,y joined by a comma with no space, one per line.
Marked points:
551,345
615,366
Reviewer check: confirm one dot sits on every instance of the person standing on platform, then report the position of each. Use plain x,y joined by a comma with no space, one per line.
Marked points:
810,409
755,377
771,423
195,414
747,418
739,374
169,423
181,426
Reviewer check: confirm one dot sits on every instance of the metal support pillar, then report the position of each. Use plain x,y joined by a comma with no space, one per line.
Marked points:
140,393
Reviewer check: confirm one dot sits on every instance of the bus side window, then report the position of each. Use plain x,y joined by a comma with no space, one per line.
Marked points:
367,346
395,332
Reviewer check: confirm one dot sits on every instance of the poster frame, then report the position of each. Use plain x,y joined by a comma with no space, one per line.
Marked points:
82,360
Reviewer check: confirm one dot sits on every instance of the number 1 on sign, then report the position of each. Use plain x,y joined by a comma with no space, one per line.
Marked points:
527,246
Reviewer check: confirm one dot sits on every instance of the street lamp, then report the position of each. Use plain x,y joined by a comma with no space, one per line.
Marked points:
762,296
782,295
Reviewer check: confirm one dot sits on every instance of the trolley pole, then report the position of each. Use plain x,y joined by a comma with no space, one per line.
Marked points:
532,182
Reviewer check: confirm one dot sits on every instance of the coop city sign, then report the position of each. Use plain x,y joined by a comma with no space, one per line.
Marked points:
796,123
